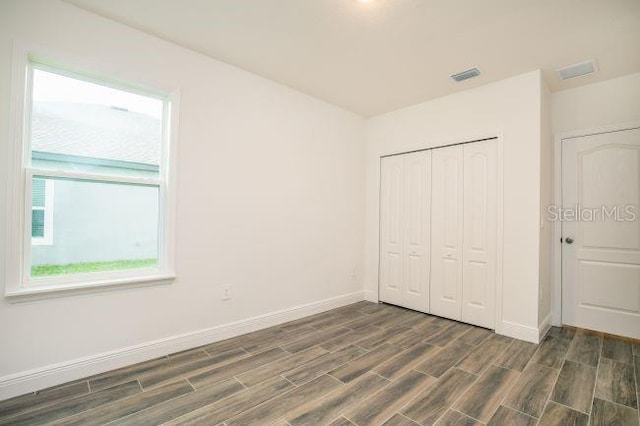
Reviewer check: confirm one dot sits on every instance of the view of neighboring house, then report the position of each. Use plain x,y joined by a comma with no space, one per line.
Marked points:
83,221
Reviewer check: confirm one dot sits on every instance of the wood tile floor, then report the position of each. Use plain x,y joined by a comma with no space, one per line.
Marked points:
363,364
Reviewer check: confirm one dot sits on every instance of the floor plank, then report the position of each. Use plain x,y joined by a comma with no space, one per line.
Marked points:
427,408
443,359
484,354
166,375
66,408
349,338
314,339
359,366
486,394
475,336
276,408
331,406
517,355
559,415
220,409
126,374
109,412
585,348
616,383
574,387
617,349
508,416
33,401
530,393
227,371
405,361
605,413
400,420
554,347
322,365
269,371
182,405
455,418
384,404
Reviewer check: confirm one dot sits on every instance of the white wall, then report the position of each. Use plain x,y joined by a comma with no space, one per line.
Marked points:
270,199
596,105
592,107
511,108
546,199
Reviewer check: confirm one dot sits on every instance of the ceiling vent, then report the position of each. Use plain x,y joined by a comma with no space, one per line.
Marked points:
578,70
467,74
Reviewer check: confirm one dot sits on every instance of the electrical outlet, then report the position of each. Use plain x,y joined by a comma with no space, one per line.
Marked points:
226,292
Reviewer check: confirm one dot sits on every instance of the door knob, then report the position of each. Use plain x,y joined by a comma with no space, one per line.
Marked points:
569,240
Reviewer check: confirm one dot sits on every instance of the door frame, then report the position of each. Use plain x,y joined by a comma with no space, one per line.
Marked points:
499,138
556,231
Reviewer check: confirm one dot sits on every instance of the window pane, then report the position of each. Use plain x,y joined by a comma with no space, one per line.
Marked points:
37,223
38,192
82,126
99,227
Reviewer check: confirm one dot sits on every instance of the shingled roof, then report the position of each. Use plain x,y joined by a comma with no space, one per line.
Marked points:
96,131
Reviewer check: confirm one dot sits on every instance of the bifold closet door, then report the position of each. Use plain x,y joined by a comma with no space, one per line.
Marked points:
446,231
417,238
464,232
391,227
480,233
404,230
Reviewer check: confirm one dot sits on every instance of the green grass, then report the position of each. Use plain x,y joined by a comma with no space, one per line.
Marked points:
85,267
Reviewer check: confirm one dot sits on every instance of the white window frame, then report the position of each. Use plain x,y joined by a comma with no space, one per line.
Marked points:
47,238
19,285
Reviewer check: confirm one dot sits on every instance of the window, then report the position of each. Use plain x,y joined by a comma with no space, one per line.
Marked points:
104,148
42,212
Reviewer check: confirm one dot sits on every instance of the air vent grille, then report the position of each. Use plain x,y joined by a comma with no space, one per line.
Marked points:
578,70
465,75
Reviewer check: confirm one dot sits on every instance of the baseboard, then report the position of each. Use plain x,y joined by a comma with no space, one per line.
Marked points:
520,331
544,326
51,375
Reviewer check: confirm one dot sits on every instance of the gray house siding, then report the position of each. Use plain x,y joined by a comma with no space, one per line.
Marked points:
95,222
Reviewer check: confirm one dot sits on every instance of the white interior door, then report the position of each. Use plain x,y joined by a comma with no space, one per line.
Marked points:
446,232
480,233
391,229
417,214
601,254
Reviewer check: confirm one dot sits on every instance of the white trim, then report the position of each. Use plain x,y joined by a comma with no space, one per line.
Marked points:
91,177
556,247
86,283
500,237
51,375
544,327
520,331
18,281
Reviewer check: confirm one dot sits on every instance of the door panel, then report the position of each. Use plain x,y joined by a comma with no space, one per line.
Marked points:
446,232
480,232
417,195
391,224
601,269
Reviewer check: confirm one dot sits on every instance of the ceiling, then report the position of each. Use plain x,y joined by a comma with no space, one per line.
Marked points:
376,57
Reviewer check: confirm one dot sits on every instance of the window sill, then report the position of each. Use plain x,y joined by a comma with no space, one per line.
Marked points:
62,290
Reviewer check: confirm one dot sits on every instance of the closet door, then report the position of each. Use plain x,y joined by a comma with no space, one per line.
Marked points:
480,233
416,247
391,229
446,232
